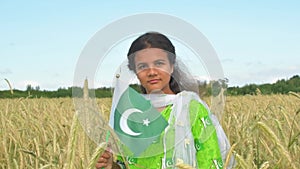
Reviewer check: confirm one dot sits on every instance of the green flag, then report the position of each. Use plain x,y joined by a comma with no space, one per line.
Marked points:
137,122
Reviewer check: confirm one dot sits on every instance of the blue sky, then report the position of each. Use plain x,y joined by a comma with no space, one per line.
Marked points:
40,41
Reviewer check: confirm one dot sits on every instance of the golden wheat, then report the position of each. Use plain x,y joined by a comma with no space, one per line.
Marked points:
44,133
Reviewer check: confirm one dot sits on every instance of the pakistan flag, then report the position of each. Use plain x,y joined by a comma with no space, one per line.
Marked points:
137,122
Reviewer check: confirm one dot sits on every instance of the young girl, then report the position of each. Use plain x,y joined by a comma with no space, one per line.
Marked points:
193,136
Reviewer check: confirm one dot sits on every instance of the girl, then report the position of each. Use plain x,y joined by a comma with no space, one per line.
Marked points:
193,135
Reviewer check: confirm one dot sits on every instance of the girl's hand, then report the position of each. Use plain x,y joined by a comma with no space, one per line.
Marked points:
105,161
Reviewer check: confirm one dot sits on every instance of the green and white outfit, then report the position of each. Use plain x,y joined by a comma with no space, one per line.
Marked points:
193,135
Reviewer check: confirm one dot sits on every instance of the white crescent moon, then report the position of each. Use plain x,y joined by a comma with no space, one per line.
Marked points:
169,163
123,122
197,147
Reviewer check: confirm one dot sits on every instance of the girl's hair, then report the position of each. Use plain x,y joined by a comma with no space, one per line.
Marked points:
154,40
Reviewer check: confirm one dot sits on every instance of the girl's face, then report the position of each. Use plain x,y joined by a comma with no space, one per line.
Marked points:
154,70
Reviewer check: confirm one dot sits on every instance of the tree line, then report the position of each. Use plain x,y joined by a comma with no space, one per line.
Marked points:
206,89
279,87
61,92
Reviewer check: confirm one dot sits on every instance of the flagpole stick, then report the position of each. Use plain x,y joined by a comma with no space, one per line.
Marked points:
107,136
106,140
115,140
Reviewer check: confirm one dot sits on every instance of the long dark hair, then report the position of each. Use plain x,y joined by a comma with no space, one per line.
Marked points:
154,40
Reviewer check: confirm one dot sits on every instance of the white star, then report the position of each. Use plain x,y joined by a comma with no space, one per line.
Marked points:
146,122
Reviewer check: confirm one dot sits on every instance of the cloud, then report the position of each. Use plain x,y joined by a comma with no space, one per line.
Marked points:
254,64
5,71
279,71
227,60
56,75
268,75
11,44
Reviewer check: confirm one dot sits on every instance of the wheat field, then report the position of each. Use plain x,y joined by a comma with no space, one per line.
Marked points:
44,133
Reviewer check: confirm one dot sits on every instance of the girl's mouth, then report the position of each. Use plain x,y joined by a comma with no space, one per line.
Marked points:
153,81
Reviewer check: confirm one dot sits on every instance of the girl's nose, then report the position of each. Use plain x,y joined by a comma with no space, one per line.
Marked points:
152,71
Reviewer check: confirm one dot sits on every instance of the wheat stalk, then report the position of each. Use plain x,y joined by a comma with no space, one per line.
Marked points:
267,147
241,161
86,90
11,90
181,165
274,138
72,142
294,94
265,165
229,155
37,153
99,151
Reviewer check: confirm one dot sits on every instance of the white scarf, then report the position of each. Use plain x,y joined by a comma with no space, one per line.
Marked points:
184,143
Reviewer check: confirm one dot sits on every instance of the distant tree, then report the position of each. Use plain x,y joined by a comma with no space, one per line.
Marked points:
29,87
37,88
266,88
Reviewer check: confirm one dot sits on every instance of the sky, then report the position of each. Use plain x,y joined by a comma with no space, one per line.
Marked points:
41,41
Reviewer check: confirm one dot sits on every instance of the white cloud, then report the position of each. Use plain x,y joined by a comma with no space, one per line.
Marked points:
227,60
268,75
5,71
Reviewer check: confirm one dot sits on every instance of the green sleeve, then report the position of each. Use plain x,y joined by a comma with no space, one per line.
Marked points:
205,137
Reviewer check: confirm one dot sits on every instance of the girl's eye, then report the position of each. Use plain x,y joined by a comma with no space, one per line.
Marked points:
159,63
141,67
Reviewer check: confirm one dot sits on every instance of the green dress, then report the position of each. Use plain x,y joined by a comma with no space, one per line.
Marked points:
208,153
